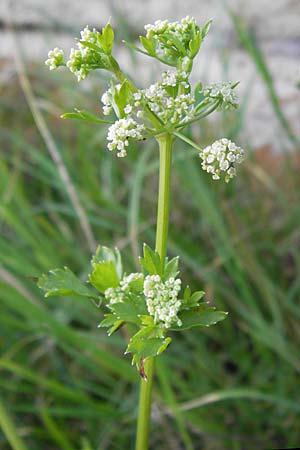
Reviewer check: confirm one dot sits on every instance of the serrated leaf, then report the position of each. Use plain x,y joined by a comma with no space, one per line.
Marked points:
171,268
104,276
167,341
108,321
199,317
104,254
111,323
63,282
107,38
151,262
192,300
145,348
148,45
130,309
84,115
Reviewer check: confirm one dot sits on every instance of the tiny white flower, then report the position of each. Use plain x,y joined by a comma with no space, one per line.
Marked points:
128,109
105,99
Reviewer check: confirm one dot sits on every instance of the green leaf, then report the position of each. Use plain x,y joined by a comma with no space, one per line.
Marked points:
107,38
63,282
104,275
201,316
91,46
187,293
148,45
135,47
137,285
130,309
194,44
147,321
104,254
111,322
175,41
191,301
84,115
143,346
124,95
235,84
206,28
171,268
151,262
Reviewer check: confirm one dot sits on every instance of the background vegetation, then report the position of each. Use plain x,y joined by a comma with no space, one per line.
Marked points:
63,383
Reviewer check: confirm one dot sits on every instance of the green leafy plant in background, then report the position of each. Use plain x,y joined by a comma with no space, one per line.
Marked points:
151,303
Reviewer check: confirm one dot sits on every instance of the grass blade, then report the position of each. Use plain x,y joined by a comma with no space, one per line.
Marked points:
9,429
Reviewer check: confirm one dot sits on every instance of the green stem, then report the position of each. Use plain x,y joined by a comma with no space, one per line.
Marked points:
144,414
165,161
165,154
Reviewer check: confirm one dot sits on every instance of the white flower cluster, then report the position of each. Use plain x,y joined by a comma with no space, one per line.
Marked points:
221,157
82,60
172,39
168,109
114,295
77,65
120,132
89,36
159,27
132,282
222,91
55,59
106,99
174,77
179,28
162,299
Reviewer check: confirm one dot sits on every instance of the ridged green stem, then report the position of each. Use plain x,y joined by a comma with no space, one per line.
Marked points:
165,156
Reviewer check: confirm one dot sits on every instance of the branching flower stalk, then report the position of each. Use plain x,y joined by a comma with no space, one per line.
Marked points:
153,300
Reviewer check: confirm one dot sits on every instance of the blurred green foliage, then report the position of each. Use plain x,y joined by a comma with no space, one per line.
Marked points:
63,383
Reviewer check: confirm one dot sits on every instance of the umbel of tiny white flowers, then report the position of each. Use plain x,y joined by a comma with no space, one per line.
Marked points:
175,43
169,109
222,90
55,59
170,100
91,52
220,158
120,132
161,297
